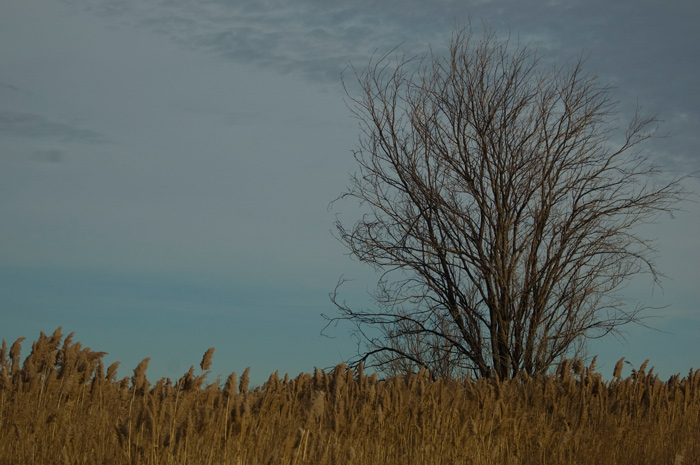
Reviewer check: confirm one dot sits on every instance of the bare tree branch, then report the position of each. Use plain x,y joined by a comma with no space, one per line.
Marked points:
502,206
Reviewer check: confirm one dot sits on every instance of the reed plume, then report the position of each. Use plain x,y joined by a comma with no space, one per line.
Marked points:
60,401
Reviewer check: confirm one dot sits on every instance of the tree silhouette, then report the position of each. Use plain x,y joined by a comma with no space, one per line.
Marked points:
501,204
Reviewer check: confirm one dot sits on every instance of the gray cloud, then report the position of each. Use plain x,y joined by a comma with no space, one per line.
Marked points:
9,88
317,39
32,126
643,48
48,156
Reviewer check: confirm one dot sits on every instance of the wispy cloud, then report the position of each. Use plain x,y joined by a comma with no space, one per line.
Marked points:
51,157
9,88
33,126
316,39
637,46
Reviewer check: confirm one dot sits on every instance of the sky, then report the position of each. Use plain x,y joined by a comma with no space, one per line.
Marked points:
166,167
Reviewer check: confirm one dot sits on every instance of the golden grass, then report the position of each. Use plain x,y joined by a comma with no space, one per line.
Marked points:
59,407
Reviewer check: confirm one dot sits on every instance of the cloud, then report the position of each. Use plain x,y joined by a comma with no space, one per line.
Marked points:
9,88
48,156
33,126
640,47
316,39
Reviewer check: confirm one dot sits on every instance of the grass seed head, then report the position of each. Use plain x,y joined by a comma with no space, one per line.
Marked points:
245,379
617,372
206,360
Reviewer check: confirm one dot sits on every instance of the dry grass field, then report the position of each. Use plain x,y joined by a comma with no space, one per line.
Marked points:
62,406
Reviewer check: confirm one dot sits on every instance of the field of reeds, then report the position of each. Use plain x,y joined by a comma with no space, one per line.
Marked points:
61,406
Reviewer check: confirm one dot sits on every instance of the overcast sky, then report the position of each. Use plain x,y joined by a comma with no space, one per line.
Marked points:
166,166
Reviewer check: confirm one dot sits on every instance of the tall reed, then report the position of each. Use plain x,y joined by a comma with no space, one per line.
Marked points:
60,406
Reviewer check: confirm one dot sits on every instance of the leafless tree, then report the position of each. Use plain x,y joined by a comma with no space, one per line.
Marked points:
501,204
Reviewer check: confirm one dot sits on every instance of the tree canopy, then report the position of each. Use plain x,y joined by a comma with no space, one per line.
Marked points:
501,203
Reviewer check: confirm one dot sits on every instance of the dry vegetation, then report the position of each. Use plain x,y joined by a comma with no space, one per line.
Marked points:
60,406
